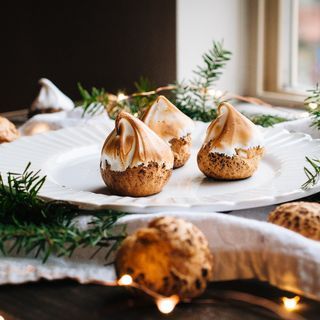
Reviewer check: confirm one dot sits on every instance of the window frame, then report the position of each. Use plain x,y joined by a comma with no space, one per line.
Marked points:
266,53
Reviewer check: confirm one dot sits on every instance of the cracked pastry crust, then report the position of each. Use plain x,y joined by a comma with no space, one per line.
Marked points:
222,167
301,217
181,150
8,131
170,256
138,181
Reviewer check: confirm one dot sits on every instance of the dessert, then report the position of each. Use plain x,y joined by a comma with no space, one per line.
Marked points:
170,256
50,99
233,146
301,217
8,131
135,161
173,126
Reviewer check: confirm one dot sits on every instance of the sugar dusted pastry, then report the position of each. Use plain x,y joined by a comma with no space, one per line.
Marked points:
50,99
171,125
170,256
301,217
8,131
135,161
233,146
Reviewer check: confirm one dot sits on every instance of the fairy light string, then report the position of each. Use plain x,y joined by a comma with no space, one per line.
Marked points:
167,305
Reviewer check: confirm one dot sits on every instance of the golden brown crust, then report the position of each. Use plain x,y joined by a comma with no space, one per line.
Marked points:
222,167
171,256
138,181
8,131
181,150
301,217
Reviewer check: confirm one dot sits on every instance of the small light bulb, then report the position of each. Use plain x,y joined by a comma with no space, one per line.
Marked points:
215,93
125,280
291,304
167,305
121,96
312,105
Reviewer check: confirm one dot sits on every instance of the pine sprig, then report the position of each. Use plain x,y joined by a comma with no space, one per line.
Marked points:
266,120
94,102
32,225
195,97
312,173
312,102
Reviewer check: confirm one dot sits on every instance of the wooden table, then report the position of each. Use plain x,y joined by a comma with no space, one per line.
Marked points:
69,300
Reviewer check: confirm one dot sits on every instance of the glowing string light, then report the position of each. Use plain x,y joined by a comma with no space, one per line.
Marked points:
312,105
167,305
121,96
125,280
291,304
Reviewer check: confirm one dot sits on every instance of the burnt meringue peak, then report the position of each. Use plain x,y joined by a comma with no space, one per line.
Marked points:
50,99
173,126
233,146
8,131
135,161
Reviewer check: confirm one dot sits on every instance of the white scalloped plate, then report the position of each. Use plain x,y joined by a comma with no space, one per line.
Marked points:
70,159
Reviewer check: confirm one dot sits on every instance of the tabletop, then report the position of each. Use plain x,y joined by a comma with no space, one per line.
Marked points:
66,299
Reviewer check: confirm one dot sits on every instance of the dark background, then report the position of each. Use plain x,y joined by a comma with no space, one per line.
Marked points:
106,44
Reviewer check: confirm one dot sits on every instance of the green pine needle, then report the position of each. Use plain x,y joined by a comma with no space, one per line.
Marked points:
41,228
312,173
314,99
266,120
193,97
94,102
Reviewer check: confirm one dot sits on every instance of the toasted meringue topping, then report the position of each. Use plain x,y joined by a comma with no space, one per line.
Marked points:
231,130
167,120
132,143
8,131
50,97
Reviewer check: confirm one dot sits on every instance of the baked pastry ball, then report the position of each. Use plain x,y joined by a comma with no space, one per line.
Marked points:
170,256
173,126
50,99
135,161
8,131
301,217
233,146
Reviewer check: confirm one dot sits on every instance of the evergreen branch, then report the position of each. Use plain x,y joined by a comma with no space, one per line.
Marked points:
312,173
266,120
32,225
194,98
93,102
312,102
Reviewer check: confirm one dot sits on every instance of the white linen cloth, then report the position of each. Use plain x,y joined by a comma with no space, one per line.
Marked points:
243,247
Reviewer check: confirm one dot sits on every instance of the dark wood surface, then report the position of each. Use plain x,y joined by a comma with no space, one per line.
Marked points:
98,43
69,300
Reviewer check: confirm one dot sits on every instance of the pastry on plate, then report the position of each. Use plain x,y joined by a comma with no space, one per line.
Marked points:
135,161
301,217
170,256
173,126
8,131
50,99
233,146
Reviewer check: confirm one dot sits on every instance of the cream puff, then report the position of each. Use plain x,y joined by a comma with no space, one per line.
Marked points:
233,146
301,217
170,256
8,131
50,99
173,126
135,161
